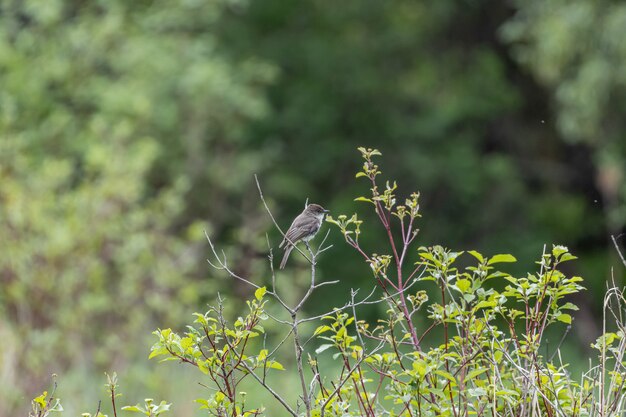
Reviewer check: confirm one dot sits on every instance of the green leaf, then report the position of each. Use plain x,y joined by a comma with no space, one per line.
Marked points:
322,348
133,408
276,365
567,257
463,285
219,397
565,318
158,352
367,200
497,274
446,375
569,306
203,367
504,257
360,174
507,392
477,392
259,293
205,403
475,373
558,250
321,329
438,392
477,255
485,304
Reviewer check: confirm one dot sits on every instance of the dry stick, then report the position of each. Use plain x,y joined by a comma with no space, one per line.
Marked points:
619,252
528,375
613,292
258,186
223,266
270,258
298,349
270,390
356,321
51,397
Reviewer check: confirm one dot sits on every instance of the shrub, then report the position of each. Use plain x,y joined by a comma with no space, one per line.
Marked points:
486,360
488,329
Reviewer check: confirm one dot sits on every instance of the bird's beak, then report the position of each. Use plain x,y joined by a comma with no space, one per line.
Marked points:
326,211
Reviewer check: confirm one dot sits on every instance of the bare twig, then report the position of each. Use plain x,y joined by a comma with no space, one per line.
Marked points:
348,377
98,410
269,212
222,265
365,301
298,349
619,252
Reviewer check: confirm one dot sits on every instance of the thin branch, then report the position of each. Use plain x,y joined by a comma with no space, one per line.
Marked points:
365,301
353,293
270,390
269,212
619,252
348,377
222,265
298,349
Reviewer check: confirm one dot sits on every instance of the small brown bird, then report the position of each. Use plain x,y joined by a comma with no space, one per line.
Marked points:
303,228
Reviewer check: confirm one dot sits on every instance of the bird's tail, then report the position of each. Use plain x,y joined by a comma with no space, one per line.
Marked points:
288,249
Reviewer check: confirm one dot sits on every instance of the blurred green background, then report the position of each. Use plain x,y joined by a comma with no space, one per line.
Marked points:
127,128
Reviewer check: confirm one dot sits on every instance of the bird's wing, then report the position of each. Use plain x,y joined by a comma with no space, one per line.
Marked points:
300,228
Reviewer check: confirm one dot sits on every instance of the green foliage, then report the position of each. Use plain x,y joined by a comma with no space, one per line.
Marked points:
149,408
220,352
488,357
126,124
108,119
44,404
84,252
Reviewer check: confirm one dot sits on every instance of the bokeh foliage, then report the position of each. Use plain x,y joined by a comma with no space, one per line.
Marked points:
576,50
113,116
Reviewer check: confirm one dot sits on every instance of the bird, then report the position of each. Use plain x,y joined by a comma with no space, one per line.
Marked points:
303,228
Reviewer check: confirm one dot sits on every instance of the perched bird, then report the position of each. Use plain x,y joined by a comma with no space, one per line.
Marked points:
303,228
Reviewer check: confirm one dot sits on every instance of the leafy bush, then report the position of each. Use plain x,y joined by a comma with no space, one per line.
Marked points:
486,359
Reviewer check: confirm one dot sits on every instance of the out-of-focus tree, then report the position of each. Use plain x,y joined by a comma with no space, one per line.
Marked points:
576,49
411,77
115,117
431,85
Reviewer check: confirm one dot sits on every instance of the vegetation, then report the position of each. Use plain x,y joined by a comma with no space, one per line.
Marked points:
486,361
129,128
